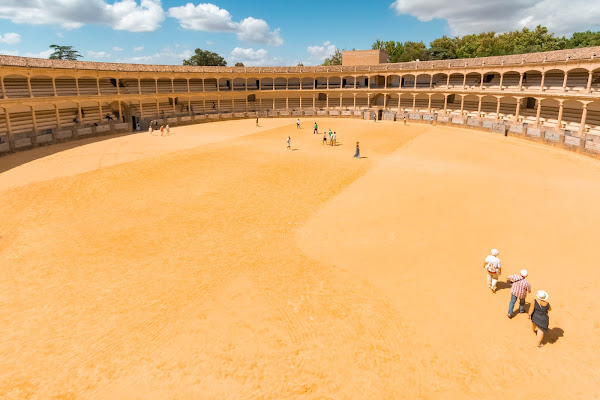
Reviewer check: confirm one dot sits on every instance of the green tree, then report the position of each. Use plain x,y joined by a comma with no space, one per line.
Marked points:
203,58
334,59
392,48
443,48
413,51
584,39
64,53
300,64
239,64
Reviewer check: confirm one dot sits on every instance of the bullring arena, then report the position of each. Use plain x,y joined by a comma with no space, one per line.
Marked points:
214,263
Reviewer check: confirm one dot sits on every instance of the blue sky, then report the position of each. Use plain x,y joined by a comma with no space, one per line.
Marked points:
263,32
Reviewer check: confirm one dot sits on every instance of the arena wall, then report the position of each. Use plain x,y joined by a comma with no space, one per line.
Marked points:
542,95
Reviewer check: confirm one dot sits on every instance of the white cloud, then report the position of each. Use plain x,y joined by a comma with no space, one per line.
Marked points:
41,54
117,48
139,48
209,43
165,56
60,35
320,53
10,38
208,17
251,58
120,15
98,54
474,16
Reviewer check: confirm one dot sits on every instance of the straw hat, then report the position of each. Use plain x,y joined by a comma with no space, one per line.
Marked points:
495,252
542,295
523,273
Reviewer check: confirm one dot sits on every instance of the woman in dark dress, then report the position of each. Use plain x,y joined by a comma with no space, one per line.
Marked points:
539,316
357,151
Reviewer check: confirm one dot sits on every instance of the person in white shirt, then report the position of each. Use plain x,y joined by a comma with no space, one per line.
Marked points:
493,269
289,143
167,130
298,124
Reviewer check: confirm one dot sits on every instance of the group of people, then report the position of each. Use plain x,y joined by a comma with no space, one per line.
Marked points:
163,129
538,311
329,138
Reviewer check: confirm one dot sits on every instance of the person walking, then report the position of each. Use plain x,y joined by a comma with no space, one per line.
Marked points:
256,121
539,316
520,288
150,128
289,143
329,133
357,151
298,124
168,130
324,137
316,130
334,138
374,117
493,268
162,130
404,120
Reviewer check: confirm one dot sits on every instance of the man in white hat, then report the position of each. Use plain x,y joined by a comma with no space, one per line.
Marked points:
519,290
493,268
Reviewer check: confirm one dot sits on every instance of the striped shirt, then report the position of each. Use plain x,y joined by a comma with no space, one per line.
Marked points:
520,286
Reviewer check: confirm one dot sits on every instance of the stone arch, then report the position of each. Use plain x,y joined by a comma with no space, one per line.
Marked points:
266,83
294,83
407,81
440,80
577,79
361,81
321,82
225,84
335,82
474,79
491,79
65,85
15,86
393,81
87,85
423,81
41,86
511,80
532,80
456,80
280,83
554,79
180,85
108,85
307,82
377,82
196,85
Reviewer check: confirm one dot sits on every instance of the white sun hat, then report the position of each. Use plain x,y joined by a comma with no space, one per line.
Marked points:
523,273
542,295
495,252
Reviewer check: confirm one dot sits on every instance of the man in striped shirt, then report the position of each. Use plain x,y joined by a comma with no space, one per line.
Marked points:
519,290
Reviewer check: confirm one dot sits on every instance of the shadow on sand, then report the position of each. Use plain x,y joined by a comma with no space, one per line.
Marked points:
553,335
13,160
502,285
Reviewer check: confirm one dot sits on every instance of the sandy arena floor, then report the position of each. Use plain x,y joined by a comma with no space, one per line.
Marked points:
216,264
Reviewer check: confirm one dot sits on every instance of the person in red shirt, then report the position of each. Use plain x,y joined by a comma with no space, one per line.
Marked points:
519,290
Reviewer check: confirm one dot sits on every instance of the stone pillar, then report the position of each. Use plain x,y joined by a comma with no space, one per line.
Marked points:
174,110
498,108
3,89
139,86
57,115
589,82
156,85
341,102
414,102
399,100
481,83
203,103
77,85
190,105
465,81
98,86
583,117
100,109
565,81
445,102
521,82
429,104
448,81
34,121
501,80
479,107
54,86
368,100
354,106
462,104
542,83
415,86
120,113
287,104
172,85
539,111
29,86
518,110
560,114
300,98
141,109
117,84
327,100
188,84
255,100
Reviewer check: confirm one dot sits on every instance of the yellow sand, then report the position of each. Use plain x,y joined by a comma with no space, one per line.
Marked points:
216,264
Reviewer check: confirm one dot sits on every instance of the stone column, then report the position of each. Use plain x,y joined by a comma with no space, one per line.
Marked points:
57,115
445,102
448,81
157,109
414,102
560,114
481,83
100,109
429,104
120,113
141,109
415,86
172,85
327,100
341,102
29,86
521,82
34,121
368,100
354,106
54,86
300,97
117,84
3,89
479,107
465,81
174,110
583,117
589,82
501,80
539,111
139,86
287,104
518,109
498,108
314,103
399,100
190,105
188,84
156,85
542,83
204,104
462,103
247,103
565,81
98,86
